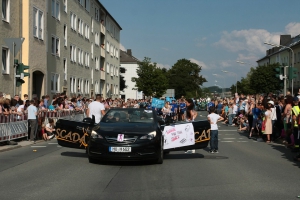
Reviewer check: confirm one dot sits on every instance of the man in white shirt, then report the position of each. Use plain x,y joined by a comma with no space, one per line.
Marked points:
32,113
213,118
96,108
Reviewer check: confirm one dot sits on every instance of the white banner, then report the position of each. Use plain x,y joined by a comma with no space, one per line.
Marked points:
179,135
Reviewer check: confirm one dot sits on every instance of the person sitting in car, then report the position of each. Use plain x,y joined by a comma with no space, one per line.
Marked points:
116,118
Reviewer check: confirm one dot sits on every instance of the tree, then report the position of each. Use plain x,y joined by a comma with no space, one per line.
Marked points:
185,78
151,79
263,80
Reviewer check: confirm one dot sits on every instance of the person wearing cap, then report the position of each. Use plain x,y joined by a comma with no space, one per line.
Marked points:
295,113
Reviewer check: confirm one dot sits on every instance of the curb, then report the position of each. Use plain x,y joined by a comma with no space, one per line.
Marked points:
11,148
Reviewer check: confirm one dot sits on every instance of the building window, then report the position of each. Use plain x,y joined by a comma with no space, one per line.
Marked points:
87,59
92,50
55,46
92,22
97,63
97,39
107,47
107,68
54,82
65,69
86,86
5,61
79,56
65,35
65,5
73,21
87,5
38,23
55,9
73,85
111,70
73,53
97,14
5,10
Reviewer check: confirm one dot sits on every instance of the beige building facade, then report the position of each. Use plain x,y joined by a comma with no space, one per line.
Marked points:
64,47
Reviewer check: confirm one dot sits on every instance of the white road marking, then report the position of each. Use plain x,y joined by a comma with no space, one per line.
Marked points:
242,141
38,146
229,134
226,141
52,143
229,138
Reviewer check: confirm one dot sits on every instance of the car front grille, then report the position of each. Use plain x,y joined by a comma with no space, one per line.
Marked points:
127,140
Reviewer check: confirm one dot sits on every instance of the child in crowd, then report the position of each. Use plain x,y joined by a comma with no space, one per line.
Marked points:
50,129
244,124
44,134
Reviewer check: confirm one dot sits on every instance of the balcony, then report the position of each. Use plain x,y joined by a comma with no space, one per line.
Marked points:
102,75
102,52
102,29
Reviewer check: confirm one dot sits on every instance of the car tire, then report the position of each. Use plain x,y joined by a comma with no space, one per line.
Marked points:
160,158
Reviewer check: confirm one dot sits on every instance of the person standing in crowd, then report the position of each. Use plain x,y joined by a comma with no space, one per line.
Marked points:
273,119
287,113
234,112
268,121
219,107
174,110
213,118
96,108
255,111
191,114
295,130
32,114
182,110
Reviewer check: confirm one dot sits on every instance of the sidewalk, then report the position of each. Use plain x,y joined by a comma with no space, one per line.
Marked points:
20,143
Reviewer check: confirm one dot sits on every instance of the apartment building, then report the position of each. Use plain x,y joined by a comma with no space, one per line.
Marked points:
64,47
9,28
130,63
284,56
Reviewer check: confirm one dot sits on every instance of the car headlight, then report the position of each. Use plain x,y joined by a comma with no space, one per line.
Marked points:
95,135
150,136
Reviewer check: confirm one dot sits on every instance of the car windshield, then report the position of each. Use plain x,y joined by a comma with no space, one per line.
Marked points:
128,116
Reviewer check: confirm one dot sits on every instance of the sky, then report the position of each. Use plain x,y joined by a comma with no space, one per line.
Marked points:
213,34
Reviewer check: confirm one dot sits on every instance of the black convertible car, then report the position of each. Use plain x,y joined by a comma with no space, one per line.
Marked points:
124,134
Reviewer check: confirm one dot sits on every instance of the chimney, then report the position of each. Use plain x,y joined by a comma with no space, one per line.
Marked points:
285,39
129,52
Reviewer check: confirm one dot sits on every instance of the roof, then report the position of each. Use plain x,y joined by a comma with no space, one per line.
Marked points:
101,6
127,58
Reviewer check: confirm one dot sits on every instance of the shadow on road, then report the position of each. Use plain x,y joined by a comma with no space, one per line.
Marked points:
192,156
74,154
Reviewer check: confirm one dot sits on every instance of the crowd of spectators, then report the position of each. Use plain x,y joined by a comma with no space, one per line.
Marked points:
265,117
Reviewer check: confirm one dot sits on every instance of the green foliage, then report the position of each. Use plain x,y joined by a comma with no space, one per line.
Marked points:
261,79
151,79
185,78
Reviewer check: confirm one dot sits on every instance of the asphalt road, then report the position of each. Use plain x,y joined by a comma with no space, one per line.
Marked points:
244,169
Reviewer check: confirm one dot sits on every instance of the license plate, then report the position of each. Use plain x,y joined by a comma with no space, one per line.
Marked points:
120,149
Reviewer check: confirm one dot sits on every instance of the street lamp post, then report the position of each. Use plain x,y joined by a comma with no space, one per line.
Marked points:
235,78
277,45
223,84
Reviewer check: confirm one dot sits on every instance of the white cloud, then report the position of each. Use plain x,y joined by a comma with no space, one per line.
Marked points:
200,63
159,65
251,41
122,47
165,49
293,29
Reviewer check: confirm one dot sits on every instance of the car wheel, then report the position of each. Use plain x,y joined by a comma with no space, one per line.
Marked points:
160,158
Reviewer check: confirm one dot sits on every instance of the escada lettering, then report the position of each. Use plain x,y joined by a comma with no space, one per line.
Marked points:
73,137
204,136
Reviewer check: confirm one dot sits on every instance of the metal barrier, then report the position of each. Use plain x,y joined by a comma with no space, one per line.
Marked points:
15,126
